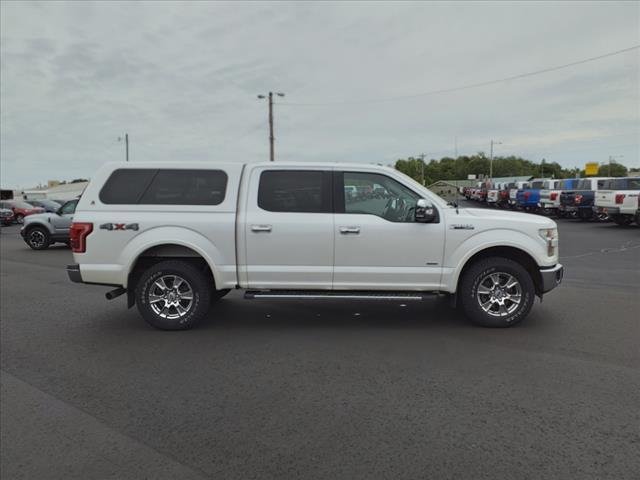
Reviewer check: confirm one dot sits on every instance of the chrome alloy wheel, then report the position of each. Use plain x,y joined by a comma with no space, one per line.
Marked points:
499,294
37,239
171,297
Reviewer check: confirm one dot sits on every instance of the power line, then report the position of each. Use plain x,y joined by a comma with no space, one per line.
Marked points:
465,87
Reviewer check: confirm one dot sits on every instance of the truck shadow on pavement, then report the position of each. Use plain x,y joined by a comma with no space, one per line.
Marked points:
235,313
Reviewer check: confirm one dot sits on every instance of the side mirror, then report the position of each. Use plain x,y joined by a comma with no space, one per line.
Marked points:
424,213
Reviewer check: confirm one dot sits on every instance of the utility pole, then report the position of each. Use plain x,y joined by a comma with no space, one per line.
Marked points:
493,142
126,146
455,146
271,137
542,169
422,155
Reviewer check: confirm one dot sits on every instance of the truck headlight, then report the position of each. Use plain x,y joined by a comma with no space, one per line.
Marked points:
550,237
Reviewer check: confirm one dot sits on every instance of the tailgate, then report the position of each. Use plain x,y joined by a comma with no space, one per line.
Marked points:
605,198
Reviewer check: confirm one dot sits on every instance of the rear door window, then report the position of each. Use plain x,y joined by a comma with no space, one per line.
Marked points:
307,191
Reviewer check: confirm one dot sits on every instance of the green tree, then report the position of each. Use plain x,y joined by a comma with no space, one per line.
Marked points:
413,167
459,168
613,170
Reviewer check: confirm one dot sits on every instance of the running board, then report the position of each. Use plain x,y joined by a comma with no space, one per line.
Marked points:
336,294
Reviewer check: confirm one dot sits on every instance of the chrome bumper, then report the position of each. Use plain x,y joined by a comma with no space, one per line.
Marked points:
551,277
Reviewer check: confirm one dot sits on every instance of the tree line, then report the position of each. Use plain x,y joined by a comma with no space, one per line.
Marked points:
459,168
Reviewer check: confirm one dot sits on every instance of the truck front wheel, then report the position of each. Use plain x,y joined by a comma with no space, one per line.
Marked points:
173,295
496,292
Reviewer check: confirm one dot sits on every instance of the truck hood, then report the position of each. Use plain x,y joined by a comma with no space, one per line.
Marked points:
501,218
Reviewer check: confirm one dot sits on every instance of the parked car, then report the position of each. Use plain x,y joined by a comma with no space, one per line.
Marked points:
503,197
20,209
42,230
550,197
513,192
176,237
638,213
528,198
578,203
6,216
48,205
618,198
493,195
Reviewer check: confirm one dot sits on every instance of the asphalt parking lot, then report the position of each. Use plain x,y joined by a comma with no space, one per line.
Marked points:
323,389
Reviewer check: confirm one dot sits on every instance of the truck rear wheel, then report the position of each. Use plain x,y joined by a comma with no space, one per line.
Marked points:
173,295
496,292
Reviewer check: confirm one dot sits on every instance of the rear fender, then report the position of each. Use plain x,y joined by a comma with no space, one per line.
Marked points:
172,236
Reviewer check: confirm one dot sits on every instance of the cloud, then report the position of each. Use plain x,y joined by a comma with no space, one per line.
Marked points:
182,79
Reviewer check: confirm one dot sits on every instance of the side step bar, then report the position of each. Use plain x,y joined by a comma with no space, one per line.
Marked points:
336,294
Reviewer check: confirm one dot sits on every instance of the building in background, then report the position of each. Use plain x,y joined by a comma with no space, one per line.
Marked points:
450,189
55,191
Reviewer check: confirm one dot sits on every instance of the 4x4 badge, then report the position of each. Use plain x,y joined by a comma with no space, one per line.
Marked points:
119,226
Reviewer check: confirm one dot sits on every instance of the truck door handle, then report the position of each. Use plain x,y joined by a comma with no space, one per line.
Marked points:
350,230
260,228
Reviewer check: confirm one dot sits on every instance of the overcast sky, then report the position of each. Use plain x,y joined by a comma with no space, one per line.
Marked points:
182,79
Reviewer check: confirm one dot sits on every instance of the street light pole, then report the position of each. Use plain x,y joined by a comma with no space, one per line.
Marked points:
491,159
269,96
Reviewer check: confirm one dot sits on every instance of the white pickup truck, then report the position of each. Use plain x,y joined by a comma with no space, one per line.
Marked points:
618,198
178,236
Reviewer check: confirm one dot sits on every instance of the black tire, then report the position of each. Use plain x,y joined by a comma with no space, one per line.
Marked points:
19,218
195,309
478,273
622,220
38,238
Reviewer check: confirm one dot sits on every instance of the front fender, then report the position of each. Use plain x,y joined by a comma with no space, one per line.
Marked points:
172,236
464,251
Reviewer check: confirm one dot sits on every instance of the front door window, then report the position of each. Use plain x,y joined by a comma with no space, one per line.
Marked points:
376,194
